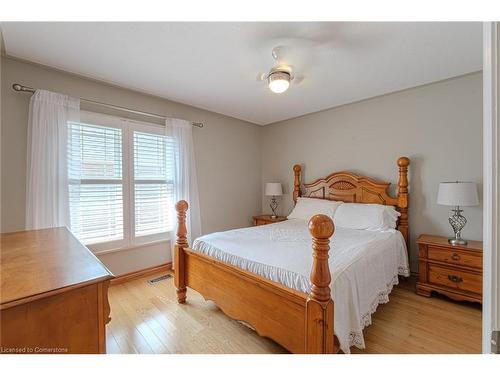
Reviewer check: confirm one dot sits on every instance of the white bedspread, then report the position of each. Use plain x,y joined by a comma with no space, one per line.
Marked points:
364,266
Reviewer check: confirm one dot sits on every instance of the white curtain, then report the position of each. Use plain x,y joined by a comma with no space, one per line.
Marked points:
47,203
185,182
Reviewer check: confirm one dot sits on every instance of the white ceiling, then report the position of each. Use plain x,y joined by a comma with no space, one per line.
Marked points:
214,65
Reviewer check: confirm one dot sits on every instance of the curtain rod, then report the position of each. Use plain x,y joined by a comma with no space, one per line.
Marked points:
21,88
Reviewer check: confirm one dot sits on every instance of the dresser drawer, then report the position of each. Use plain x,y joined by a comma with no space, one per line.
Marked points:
456,279
458,257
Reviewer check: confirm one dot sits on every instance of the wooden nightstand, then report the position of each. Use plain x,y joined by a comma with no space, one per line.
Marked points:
455,271
267,219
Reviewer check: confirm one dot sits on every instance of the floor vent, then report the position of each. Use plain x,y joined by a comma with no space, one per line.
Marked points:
158,279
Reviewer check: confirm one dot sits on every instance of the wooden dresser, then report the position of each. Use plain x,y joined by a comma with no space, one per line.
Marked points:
455,271
267,219
54,294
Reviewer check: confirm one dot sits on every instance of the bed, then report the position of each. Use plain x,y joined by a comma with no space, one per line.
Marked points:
264,277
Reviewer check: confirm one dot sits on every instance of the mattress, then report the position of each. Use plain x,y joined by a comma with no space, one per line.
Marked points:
364,265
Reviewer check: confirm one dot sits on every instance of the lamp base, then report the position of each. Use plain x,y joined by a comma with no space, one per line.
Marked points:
274,206
457,222
457,241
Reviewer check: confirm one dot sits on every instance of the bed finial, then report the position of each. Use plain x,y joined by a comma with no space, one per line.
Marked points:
180,243
321,228
296,183
403,197
319,304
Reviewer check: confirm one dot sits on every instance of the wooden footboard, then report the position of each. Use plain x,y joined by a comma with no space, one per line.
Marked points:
302,323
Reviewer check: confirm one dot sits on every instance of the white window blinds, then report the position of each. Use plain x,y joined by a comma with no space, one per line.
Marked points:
153,183
95,182
120,182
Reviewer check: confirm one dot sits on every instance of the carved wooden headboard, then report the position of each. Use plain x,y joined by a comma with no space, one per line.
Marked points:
349,187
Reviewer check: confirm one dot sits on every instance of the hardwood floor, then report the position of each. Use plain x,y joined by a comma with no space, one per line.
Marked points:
145,318
410,323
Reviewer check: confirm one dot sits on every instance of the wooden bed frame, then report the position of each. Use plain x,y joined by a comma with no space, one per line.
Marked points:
300,322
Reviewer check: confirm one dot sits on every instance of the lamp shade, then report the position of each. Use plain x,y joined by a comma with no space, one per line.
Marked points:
274,188
458,194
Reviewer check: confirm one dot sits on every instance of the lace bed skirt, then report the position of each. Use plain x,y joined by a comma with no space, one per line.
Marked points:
356,338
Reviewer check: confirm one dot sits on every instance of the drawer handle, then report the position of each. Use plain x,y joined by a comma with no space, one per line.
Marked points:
455,256
455,279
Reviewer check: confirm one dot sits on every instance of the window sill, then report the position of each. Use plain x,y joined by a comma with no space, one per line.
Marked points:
125,248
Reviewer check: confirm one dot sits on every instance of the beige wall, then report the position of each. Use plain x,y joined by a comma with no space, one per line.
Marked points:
227,154
439,126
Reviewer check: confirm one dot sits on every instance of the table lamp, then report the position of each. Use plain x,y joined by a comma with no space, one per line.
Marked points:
273,189
457,194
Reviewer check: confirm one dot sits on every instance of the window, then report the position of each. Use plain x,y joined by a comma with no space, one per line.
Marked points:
120,181
95,182
153,182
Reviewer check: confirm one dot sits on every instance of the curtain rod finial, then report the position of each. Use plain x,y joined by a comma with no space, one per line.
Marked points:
21,88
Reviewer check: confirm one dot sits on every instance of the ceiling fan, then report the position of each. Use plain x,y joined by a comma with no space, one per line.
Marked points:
281,74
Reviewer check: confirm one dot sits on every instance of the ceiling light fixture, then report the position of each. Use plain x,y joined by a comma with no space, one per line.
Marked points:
278,81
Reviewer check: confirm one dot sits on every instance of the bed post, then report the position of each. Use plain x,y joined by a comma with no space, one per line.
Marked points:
296,183
319,304
179,257
403,163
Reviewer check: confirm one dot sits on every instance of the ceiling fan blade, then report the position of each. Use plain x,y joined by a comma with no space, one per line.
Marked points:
298,78
261,76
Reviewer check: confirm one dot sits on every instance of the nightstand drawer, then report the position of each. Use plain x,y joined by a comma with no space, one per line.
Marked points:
267,219
456,279
455,257
262,222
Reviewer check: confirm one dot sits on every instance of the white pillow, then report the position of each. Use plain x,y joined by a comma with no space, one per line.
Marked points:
376,217
308,207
